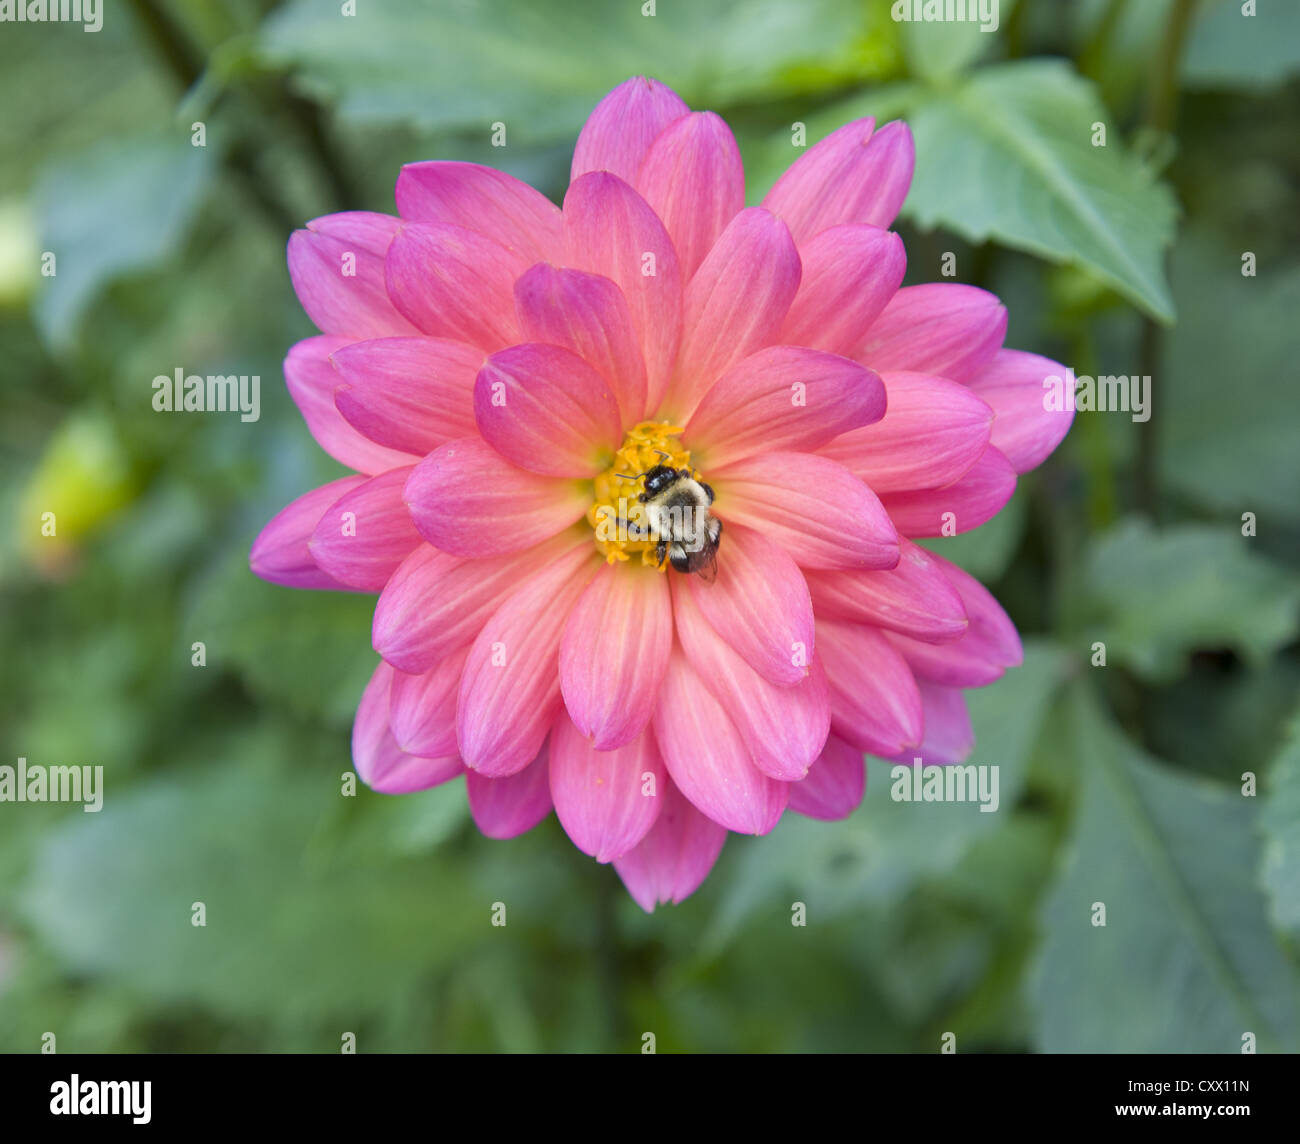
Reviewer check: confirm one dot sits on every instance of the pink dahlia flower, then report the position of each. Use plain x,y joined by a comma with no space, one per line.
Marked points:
523,392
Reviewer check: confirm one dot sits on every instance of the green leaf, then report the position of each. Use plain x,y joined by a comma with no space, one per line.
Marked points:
1162,594
1186,961
937,50
1230,49
1280,820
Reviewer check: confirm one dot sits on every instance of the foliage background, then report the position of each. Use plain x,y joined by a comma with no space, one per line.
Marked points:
1120,784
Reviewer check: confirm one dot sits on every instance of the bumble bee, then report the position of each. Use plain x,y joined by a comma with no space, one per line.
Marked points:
677,511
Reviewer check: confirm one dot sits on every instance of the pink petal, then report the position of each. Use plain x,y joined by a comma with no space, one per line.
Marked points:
916,598
510,688
851,176
875,701
280,554
454,283
422,708
466,499
975,499
615,652
620,130
607,801
510,806
707,758
1023,428
784,728
933,432
815,509
694,179
949,736
482,199
611,230
586,313
675,857
365,534
849,275
735,304
382,765
412,394
546,410
760,605
337,268
941,328
783,398
312,381
835,784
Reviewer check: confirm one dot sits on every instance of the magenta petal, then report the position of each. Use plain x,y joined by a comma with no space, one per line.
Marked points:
669,864
422,708
382,765
513,805
337,268
365,534
312,380
940,328
619,131
280,554
467,499
849,275
975,499
454,283
949,736
694,179
851,176
483,199
546,410
875,700
1024,429
707,757
835,784
412,394
606,801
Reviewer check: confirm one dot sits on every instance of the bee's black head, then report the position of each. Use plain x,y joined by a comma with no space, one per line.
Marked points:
658,479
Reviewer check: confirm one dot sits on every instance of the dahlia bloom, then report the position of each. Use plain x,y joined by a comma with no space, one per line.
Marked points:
501,374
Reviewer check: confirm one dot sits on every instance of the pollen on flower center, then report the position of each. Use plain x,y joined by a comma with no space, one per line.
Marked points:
619,518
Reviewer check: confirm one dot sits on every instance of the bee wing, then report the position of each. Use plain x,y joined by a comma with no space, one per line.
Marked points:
708,570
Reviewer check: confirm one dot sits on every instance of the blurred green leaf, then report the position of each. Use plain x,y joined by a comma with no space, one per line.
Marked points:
1280,820
937,50
1186,961
1228,48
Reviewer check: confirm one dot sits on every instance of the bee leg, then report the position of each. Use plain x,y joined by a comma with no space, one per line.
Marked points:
661,550
634,531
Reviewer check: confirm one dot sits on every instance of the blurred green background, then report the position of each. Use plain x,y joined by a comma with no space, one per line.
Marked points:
1120,784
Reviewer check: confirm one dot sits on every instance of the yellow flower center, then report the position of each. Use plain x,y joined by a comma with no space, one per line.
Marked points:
617,515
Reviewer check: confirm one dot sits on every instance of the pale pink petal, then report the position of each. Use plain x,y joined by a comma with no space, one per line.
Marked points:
615,652
815,509
467,499
611,230
835,784
849,275
916,598
422,708
382,765
851,176
783,728
312,381
707,757
735,304
510,688
783,398
546,410
875,701
606,801
412,394
482,199
337,269
694,179
760,605
941,328
365,534
619,131
1024,429
510,806
671,861
454,283
949,736
978,497
280,554
586,313
933,432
